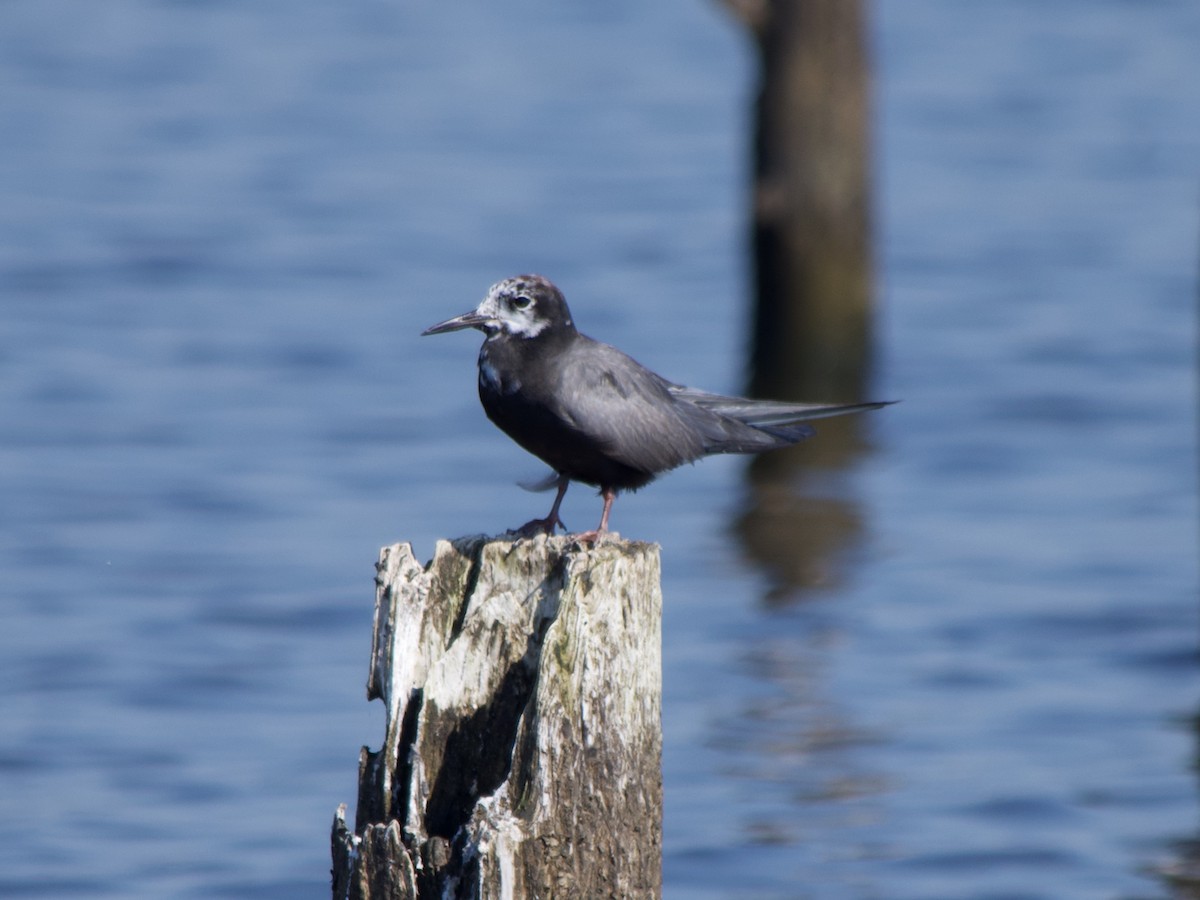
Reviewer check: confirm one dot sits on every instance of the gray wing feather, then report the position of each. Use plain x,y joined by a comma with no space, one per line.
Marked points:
627,409
651,424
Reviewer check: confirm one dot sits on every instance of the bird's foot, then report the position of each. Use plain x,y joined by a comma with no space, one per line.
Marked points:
600,532
546,526
594,537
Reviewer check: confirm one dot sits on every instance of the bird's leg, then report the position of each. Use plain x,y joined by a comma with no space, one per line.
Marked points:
591,537
547,525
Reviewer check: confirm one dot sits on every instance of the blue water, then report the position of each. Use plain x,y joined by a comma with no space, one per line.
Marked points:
222,227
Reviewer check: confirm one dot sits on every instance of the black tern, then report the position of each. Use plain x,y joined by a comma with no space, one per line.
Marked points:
598,416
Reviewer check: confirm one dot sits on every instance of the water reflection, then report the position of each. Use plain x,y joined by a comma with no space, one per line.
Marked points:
812,323
798,538
1181,874
801,522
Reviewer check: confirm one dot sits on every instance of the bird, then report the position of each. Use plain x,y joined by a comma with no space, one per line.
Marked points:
597,416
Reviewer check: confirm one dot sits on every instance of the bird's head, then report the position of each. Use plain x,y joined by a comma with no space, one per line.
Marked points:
525,306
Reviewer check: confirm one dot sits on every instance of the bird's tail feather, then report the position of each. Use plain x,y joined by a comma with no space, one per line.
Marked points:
769,412
738,437
739,425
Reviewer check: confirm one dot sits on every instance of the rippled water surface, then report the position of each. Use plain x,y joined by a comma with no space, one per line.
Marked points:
222,227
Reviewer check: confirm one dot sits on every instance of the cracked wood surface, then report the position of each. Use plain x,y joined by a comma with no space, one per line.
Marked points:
522,757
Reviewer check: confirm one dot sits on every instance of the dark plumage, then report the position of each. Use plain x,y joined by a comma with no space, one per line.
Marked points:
598,416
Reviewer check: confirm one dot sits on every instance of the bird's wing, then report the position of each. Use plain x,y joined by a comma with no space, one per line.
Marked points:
627,410
766,412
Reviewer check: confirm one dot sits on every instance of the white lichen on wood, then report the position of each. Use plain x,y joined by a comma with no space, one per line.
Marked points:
523,683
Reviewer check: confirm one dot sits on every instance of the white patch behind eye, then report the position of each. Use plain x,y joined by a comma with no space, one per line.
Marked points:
524,322
497,306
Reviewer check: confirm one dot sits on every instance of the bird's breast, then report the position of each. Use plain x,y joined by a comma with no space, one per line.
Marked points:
492,380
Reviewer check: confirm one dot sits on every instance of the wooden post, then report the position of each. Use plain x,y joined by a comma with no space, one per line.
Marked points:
812,205
522,756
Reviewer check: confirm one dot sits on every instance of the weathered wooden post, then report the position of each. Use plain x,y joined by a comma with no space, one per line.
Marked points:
522,756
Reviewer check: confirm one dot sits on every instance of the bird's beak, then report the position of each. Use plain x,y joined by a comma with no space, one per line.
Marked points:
471,319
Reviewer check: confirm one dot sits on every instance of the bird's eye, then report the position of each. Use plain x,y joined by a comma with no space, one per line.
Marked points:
522,302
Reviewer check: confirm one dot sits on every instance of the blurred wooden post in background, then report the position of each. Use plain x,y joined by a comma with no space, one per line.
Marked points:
812,210
522,757
813,278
